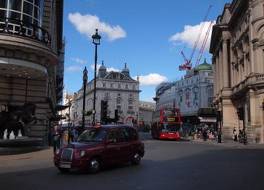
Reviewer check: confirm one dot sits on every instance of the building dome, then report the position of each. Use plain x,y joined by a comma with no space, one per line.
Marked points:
102,70
204,66
125,71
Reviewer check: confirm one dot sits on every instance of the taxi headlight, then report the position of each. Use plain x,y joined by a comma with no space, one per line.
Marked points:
82,153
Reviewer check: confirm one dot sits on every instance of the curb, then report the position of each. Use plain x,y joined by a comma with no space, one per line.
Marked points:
20,150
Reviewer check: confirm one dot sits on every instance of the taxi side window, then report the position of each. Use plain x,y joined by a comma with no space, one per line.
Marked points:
126,134
112,136
132,134
121,136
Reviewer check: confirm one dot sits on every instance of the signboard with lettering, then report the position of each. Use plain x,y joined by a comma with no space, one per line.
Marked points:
171,119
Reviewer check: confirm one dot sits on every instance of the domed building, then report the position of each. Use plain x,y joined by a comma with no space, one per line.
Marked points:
190,94
203,67
102,71
125,71
118,89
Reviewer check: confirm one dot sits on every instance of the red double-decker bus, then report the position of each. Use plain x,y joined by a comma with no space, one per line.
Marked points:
169,126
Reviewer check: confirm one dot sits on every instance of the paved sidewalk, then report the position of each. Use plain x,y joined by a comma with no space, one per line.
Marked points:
24,162
229,143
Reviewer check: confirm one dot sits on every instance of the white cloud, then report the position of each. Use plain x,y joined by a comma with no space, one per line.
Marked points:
190,35
151,79
108,69
79,61
74,68
86,24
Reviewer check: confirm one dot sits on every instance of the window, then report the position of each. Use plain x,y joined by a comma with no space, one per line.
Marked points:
119,85
15,5
126,86
111,85
27,11
130,101
118,100
116,136
112,136
28,8
104,85
92,135
132,134
3,3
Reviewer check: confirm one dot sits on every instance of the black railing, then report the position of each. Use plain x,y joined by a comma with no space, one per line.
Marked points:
21,28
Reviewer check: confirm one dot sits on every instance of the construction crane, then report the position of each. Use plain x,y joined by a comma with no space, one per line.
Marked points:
187,65
204,44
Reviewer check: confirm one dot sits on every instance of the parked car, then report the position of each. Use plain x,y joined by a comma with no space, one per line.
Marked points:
99,147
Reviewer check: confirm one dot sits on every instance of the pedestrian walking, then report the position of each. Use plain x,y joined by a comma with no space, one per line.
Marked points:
235,136
56,139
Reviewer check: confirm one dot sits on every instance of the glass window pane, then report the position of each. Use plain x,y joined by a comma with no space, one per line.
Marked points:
15,5
3,3
36,13
27,19
37,2
2,15
28,8
14,15
36,22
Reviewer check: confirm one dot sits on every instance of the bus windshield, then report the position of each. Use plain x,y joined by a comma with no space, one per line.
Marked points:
171,127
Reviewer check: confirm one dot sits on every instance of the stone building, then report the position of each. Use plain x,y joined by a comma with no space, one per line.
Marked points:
32,59
189,94
117,88
146,110
237,46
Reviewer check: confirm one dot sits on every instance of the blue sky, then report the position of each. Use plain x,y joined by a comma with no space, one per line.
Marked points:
148,35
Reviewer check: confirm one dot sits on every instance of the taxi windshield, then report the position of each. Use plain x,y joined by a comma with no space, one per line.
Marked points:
92,135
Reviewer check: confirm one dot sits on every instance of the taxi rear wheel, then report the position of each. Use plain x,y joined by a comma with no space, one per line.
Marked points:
94,165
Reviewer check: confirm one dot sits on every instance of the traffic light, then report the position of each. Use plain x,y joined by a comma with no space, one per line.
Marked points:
104,106
116,115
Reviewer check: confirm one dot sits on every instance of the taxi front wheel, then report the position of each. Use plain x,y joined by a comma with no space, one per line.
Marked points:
136,159
94,165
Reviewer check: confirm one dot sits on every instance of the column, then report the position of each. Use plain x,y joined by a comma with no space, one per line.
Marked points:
214,70
220,63
216,74
225,64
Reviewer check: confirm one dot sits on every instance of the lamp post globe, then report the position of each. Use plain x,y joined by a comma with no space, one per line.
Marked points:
96,41
96,38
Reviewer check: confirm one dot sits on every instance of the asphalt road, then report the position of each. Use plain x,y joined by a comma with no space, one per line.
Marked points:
166,165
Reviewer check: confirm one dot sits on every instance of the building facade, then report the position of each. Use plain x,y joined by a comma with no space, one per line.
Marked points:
237,47
31,60
189,94
117,88
146,111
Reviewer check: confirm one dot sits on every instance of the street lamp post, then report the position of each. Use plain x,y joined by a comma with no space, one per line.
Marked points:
69,121
96,41
85,77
